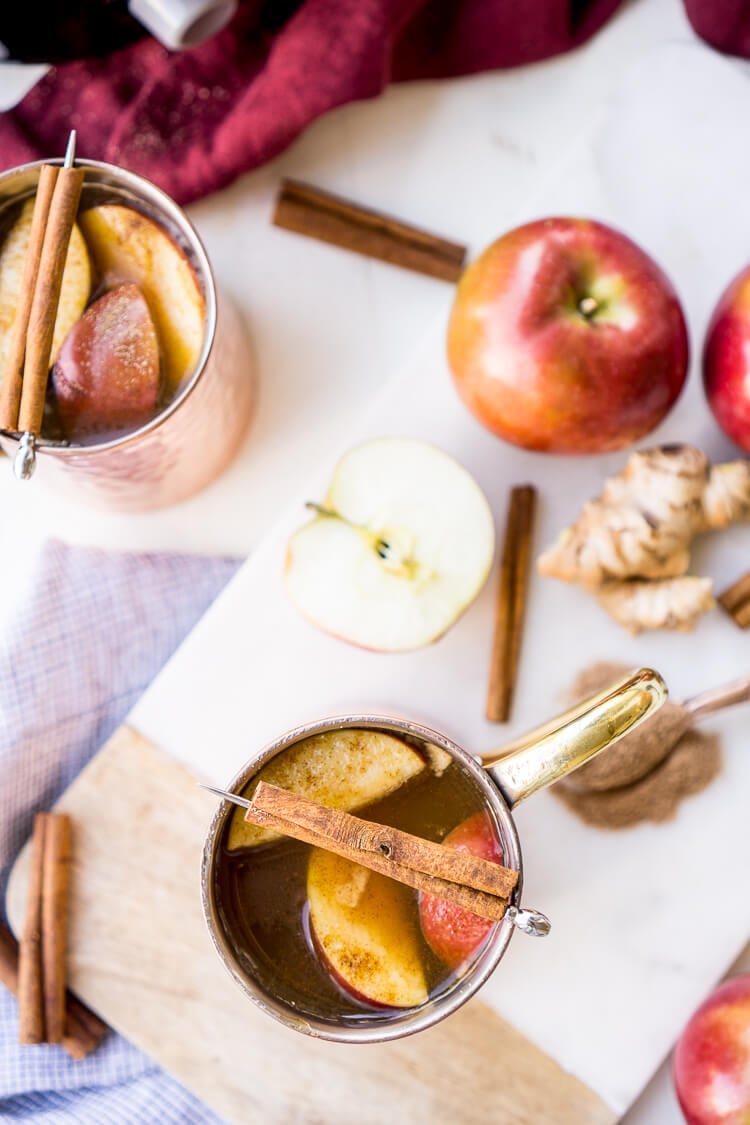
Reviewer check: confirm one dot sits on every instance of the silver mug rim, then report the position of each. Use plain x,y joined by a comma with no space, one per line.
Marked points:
146,192
383,1028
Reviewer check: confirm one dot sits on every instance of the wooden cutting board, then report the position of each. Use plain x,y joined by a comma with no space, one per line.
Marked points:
141,956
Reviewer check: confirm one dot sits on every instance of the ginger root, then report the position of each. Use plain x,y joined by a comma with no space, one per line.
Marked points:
726,499
666,603
640,528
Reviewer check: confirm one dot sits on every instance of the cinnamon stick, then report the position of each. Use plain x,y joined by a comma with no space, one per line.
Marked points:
10,390
85,1030
41,326
55,881
468,881
510,606
31,1016
318,214
736,601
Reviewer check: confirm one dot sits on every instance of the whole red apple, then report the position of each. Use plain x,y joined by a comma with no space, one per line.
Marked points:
566,337
726,361
711,1061
451,932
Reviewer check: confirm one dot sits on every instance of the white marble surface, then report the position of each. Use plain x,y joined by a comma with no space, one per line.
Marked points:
627,961
468,158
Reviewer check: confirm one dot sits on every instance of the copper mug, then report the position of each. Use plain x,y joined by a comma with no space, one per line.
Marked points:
192,440
504,778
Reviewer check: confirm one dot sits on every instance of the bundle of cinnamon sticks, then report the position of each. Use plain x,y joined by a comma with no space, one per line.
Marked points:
35,970
24,381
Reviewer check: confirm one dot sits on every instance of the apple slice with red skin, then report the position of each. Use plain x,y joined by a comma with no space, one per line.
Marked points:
452,933
364,932
344,768
126,245
106,377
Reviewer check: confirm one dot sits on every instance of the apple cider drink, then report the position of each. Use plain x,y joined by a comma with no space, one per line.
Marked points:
333,939
131,320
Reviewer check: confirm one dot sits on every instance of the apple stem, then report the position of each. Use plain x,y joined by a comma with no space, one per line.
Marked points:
328,512
587,306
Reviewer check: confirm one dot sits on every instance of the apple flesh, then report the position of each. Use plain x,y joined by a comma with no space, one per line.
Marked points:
74,289
364,932
452,933
344,769
726,361
106,378
400,547
711,1062
127,245
566,337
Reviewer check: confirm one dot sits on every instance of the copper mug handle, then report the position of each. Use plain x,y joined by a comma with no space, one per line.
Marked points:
552,750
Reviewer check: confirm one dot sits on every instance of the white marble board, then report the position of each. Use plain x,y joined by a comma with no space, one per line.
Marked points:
658,913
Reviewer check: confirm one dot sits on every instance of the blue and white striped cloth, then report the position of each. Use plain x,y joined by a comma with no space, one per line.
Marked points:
93,632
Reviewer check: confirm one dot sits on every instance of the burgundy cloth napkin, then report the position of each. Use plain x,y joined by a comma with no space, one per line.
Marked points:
725,24
192,122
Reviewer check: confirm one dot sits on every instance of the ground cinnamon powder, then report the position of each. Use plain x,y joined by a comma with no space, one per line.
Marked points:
665,766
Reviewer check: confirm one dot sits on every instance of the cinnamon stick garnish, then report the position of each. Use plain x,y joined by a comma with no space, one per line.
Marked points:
510,607
736,601
318,214
10,390
55,881
85,1030
41,326
468,881
31,1017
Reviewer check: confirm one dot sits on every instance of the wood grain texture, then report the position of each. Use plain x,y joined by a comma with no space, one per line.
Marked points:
140,955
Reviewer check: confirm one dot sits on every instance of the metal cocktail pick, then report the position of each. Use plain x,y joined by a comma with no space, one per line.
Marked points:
227,796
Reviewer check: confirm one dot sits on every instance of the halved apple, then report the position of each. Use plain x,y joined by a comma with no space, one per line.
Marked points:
74,292
364,930
400,547
127,245
345,769
452,932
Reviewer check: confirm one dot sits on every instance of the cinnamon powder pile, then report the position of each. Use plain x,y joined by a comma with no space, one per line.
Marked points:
662,765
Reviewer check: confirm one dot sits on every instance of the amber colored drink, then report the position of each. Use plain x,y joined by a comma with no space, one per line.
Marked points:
263,902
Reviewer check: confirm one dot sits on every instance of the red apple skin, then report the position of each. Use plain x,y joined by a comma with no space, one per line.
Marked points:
726,361
106,377
711,1062
540,372
453,933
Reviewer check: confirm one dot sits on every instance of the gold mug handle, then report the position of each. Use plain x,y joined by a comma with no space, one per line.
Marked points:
552,750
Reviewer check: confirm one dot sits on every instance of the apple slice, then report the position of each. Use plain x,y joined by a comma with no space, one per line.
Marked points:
127,245
107,375
453,933
401,546
345,769
364,932
74,292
